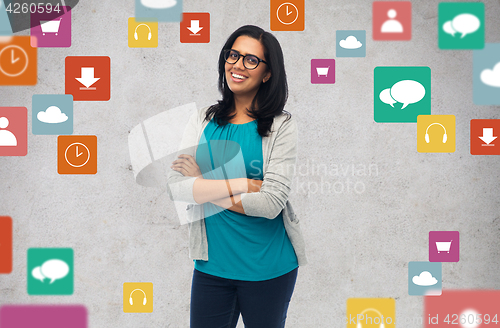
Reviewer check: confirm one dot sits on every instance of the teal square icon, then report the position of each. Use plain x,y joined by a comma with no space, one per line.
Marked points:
52,114
50,271
461,25
351,43
401,93
486,75
425,278
158,10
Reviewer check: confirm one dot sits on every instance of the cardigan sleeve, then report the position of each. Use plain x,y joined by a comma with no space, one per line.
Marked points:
273,194
180,187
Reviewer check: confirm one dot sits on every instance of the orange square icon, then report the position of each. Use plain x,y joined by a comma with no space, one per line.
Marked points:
88,78
77,154
287,15
5,244
18,61
195,28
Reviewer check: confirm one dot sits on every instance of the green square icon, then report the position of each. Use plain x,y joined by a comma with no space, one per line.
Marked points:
401,93
461,25
50,271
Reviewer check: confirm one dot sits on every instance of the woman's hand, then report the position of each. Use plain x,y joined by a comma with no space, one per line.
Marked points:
254,185
186,165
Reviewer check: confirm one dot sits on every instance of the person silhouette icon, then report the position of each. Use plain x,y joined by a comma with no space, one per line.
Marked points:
392,25
7,138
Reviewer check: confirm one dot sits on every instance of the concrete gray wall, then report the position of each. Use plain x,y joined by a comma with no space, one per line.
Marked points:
359,242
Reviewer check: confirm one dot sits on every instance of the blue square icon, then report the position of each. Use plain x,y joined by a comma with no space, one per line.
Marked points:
52,114
5,28
424,278
486,75
351,43
158,10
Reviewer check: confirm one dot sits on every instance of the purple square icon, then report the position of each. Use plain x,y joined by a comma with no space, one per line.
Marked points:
323,71
51,28
444,246
53,316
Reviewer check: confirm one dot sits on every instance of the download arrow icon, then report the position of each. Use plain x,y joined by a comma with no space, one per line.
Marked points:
87,78
487,136
195,27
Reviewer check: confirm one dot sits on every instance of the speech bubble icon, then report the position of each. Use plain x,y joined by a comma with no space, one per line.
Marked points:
385,96
407,92
448,28
37,274
55,269
466,24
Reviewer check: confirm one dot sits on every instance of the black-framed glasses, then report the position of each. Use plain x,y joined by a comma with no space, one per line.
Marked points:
249,61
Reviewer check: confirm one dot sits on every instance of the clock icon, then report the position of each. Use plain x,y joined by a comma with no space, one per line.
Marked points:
13,60
287,13
77,154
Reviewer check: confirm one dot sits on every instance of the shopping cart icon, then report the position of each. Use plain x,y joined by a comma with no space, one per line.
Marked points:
50,26
443,246
322,71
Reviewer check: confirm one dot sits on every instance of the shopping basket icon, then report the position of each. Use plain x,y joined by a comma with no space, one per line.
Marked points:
50,26
443,246
322,71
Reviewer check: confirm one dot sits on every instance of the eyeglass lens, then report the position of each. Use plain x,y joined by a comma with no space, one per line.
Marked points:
249,61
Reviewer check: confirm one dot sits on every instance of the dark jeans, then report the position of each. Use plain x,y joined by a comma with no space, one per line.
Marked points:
217,302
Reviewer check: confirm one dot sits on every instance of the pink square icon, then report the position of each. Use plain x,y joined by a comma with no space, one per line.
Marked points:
391,20
323,71
51,28
53,316
13,131
444,246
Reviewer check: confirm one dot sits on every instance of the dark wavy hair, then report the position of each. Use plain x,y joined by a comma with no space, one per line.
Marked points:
271,97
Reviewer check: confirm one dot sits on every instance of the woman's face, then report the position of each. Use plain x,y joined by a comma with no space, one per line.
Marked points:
243,81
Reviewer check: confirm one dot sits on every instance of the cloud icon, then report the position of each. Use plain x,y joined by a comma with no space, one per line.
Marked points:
52,115
491,77
350,43
424,279
159,4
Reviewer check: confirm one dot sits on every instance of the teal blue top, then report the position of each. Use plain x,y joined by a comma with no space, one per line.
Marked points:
240,247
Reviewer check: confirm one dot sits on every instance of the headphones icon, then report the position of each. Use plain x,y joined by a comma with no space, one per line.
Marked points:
378,312
445,136
135,32
132,302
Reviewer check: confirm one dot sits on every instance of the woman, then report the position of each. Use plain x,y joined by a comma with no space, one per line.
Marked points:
244,237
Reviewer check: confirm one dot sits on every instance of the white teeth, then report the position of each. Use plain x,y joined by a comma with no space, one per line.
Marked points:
238,76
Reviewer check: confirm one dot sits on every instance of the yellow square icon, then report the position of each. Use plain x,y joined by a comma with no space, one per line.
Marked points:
371,312
138,297
436,133
142,34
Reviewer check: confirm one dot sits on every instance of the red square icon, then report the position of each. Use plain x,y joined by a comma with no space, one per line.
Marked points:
391,20
195,28
77,154
88,78
13,131
484,137
462,308
5,244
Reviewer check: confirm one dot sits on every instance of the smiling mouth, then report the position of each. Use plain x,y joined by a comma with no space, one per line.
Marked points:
238,77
